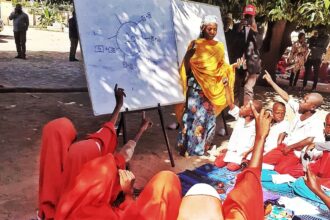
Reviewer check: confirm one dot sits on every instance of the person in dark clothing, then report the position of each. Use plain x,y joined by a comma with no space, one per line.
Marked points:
244,38
21,24
74,36
229,34
317,45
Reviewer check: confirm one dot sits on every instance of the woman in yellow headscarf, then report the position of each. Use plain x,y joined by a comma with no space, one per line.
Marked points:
202,71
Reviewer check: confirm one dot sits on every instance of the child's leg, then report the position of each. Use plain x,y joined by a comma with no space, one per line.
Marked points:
287,163
274,156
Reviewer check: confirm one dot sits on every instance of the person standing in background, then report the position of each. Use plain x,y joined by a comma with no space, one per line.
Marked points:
74,37
245,41
21,24
317,44
297,57
229,35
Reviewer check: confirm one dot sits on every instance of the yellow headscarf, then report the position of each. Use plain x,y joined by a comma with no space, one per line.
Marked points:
209,68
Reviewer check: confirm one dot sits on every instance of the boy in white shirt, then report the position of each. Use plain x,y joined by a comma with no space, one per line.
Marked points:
278,129
305,129
243,134
277,132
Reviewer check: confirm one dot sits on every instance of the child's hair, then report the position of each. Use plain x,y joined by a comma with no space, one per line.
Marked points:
279,103
300,35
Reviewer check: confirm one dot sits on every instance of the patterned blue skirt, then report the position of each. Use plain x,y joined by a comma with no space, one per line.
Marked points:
198,121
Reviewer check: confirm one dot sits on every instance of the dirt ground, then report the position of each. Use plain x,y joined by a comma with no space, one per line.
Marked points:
24,114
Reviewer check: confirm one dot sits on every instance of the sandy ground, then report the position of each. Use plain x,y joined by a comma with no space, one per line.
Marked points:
24,114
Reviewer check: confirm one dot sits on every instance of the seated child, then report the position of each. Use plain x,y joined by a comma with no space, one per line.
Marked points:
242,138
279,128
305,129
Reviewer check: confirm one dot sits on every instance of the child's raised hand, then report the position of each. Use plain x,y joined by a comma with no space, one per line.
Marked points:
146,123
240,63
263,121
267,77
119,95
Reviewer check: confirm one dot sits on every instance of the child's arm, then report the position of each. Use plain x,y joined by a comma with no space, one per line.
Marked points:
312,182
298,146
281,138
278,89
246,153
263,121
228,94
119,95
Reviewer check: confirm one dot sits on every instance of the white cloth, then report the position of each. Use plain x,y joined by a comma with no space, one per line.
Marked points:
282,178
300,130
128,150
266,166
299,206
233,157
275,130
98,145
203,189
209,19
247,31
242,138
325,146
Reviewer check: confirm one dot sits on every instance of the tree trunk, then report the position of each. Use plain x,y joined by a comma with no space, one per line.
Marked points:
278,38
270,58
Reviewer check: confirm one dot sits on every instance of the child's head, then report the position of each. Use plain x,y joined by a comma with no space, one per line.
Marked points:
279,111
301,37
246,110
310,103
327,127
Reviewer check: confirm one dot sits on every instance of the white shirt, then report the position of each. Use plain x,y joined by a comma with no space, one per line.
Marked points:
242,138
300,130
275,130
247,30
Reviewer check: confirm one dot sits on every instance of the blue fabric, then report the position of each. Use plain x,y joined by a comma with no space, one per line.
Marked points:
212,175
266,181
198,121
283,188
300,188
266,175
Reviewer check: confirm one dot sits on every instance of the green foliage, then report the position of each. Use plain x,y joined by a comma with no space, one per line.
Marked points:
302,12
59,1
48,13
281,10
52,13
315,13
47,17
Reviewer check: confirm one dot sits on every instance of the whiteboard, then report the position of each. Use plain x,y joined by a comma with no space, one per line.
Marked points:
187,17
131,43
